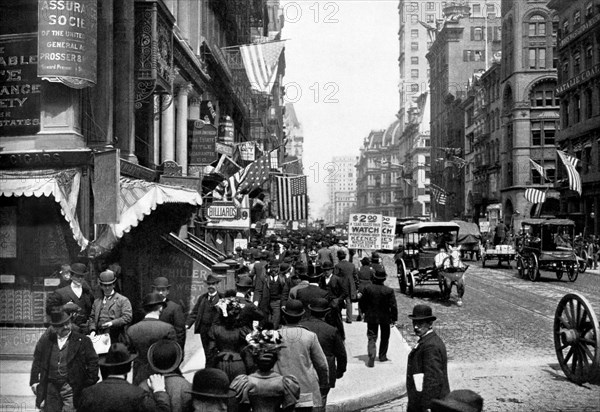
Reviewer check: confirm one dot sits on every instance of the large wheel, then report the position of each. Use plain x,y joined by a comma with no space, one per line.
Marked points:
521,267
534,268
402,276
559,273
410,285
577,338
572,273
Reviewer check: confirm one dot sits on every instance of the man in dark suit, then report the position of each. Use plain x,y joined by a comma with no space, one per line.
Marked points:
249,313
173,312
349,276
427,371
205,313
332,283
330,340
64,363
148,331
378,303
308,294
260,267
77,298
115,394
271,292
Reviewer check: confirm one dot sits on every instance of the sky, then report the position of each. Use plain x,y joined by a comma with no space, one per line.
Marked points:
342,77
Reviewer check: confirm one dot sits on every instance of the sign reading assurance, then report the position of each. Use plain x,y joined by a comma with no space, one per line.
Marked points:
67,41
388,232
364,231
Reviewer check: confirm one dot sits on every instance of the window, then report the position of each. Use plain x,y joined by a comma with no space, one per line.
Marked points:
473,55
588,11
414,46
537,58
414,88
537,25
430,6
543,132
588,103
476,33
565,27
554,28
490,11
565,70
565,113
430,18
576,108
414,7
414,60
576,63
414,34
477,9
414,73
589,54
576,18
414,18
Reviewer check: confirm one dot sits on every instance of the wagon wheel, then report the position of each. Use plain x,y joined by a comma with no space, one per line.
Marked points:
521,267
410,284
577,338
534,268
572,273
559,273
402,276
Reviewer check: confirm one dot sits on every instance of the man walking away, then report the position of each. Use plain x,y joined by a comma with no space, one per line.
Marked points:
173,312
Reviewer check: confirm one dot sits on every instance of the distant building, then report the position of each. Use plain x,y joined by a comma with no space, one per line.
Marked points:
340,178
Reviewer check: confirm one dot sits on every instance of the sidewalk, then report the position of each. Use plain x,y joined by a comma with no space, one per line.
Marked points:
361,387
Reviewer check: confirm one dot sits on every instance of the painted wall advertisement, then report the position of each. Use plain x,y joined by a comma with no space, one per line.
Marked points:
364,231
19,86
67,42
202,138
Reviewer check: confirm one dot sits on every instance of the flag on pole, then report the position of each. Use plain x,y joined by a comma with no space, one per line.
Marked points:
535,196
539,169
570,163
249,178
439,194
261,61
291,198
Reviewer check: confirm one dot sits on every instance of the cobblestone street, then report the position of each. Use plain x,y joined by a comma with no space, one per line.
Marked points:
500,343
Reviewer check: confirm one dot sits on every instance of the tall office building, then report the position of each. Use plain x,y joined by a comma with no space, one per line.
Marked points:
340,178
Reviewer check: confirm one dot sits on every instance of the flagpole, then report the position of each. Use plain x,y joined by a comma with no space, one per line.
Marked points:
252,44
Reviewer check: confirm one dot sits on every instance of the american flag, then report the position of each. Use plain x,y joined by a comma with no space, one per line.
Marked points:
439,194
539,169
249,178
535,196
260,62
571,163
291,198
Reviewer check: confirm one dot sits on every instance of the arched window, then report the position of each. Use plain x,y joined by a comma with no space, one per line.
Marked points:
542,94
537,25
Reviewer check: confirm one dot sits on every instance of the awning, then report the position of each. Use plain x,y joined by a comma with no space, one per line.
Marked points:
138,199
63,184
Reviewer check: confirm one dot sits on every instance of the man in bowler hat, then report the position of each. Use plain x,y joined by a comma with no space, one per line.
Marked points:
210,391
148,331
76,297
112,312
173,312
427,371
205,313
378,303
115,394
64,363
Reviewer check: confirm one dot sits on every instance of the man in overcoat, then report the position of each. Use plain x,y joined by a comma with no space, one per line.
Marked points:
331,342
148,331
271,292
205,313
173,312
64,363
349,276
77,297
378,303
427,371
112,312
311,292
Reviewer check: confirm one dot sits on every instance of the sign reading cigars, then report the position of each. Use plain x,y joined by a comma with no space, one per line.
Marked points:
364,231
202,138
67,48
19,86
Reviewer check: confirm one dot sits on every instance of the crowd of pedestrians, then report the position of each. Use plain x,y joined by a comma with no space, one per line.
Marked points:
274,343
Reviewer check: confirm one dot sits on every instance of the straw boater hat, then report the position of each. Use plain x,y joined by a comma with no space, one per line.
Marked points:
422,312
211,383
107,277
165,356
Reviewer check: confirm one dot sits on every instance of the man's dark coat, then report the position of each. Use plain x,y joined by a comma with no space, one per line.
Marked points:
378,303
173,314
116,395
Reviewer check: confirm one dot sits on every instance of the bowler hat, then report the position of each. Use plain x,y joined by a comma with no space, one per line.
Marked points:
161,282
319,305
211,383
212,278
365,261
422,312
118,354
78,269
165,356
294,308
285,267
59,317
461,400
244,282
380,274
327,265
153,298
107,277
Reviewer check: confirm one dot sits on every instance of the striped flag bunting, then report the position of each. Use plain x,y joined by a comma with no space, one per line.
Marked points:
409,182
261,61
539,169
244,181
439,194
291,198
535,195
570,163
460,162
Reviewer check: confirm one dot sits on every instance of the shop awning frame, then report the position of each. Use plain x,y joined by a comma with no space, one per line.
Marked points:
62,184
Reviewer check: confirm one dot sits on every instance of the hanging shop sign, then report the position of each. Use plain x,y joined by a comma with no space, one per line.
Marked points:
67,37
224,149
247,151
202,138
106,186
19,86
226,130
228,215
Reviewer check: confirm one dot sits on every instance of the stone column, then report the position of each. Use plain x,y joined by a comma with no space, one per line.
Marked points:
194,108
182,117
167,128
